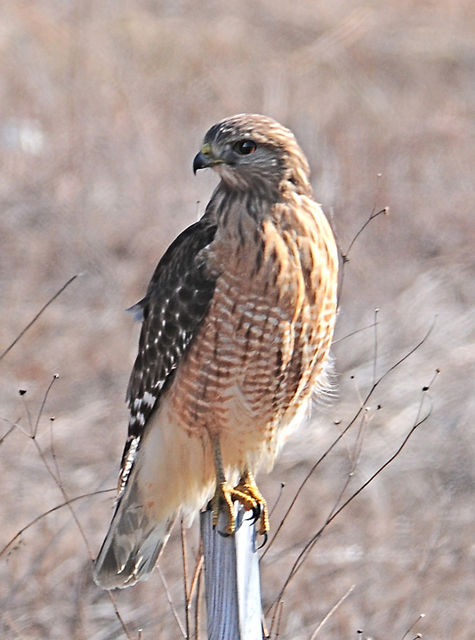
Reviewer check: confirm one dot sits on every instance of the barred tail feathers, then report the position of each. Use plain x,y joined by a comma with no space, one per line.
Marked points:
132,544
172,476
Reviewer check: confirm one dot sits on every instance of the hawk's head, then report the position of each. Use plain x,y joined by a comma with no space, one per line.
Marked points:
253,151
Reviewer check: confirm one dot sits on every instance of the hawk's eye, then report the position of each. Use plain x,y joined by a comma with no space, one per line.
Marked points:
245,147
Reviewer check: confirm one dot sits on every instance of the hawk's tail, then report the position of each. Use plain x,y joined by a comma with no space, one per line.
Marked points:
132,545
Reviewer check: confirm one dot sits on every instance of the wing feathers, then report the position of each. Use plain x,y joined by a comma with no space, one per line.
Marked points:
176,302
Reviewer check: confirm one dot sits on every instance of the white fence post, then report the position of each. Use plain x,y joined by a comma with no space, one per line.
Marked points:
233,595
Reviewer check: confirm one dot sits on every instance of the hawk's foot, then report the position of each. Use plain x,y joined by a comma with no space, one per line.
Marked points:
247,486
224,498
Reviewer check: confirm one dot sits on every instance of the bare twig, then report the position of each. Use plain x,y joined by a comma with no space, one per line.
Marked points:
199,576
55,476
42,405
418,619
119,617
345,255
32,322
21,531
189,592
353,333
279,619
331,612
353,462
384,211
184,555
196,575
12,428
302,485
29,420
403,358
375,345
279,496
311,543
302,556
276,619
171,603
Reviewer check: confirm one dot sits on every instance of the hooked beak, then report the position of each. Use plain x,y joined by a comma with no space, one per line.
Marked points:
204,159
200,162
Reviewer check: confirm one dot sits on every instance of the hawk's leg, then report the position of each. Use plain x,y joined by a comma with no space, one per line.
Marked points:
247,485
225,495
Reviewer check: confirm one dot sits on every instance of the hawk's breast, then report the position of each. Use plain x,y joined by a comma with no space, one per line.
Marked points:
264,341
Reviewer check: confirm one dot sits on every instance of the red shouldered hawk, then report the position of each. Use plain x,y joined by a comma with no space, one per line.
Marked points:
237,324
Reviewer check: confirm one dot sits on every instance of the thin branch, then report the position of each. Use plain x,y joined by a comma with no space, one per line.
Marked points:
302,556
170,602
199,580
56,477
276,618
196,575
353,462
184,556
375,344
32,322
119,617
331,612
42,405
345,254
47,513
384,211
279,496
353,333
29,433
279,619
65,496
53,450
343,433
13,426
422,615
58,481
195,581
304,482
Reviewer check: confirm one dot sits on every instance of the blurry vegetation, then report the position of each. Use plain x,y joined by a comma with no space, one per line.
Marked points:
102,108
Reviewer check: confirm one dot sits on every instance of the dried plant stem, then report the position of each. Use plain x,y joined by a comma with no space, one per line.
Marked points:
343,433
171,603
30,524
184,555
300,560
35,318
419,617
331,612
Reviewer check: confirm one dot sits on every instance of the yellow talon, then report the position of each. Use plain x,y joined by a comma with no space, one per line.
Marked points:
247,486
224,497
246,492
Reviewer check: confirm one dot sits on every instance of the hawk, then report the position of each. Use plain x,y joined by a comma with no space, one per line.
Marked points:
237,323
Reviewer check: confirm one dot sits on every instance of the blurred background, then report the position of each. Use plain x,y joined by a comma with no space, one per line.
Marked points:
102,109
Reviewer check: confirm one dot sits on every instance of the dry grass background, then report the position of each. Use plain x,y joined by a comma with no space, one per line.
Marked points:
102,107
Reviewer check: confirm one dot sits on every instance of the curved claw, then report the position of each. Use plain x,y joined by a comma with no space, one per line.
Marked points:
247,493
256,514
247,486
266,537
224,498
